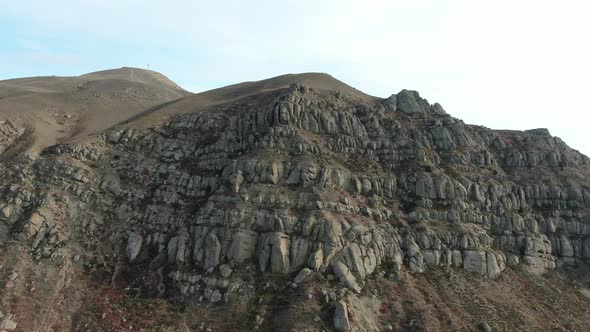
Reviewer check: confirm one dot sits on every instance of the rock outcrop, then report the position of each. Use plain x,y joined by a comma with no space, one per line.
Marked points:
296,182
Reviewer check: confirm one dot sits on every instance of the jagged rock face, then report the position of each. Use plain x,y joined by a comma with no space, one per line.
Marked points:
299,178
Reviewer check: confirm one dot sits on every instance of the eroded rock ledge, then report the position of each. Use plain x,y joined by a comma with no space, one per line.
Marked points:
298,181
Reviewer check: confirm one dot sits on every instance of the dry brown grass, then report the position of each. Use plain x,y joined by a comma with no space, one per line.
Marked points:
453,300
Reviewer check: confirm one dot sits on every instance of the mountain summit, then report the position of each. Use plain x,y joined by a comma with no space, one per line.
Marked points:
54,109
296,203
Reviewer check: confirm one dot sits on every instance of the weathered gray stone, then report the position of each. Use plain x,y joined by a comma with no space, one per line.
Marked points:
302,275
216,296
343,273
304,180
134,243
225,270
341,321
8,324
586,248
475,261
114,136
279,258
212,251
431,257
410,102
513,260
483,326
566,249
6,212
243,246
493,269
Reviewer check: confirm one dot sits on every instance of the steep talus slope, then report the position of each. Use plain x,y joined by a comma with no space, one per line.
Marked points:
274,207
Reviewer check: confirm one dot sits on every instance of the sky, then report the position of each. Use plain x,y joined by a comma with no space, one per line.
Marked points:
502,64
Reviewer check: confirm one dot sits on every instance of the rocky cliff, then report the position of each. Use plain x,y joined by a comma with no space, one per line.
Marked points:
294,207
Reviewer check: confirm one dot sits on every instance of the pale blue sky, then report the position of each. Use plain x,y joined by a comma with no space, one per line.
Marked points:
503,64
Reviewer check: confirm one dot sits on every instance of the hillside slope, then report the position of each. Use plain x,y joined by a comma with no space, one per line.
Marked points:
235,92
53,109
276,205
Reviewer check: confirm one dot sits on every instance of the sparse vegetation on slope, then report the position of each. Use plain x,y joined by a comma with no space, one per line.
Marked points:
295,203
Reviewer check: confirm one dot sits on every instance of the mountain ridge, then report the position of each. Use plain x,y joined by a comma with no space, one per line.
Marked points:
276,205
61,108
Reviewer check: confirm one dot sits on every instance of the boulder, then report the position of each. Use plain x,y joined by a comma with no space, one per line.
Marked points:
7,324
475,261
302,275
225,270
134,243
483,326
6,212
493,268
586,248
513,260
298,252
34,224
216,296
243,245
409,102
431,257
212,251
114,136
341,322
566,250
343,273
279,257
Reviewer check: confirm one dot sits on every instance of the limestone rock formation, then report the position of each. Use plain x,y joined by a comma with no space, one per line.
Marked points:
299,183
341,322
